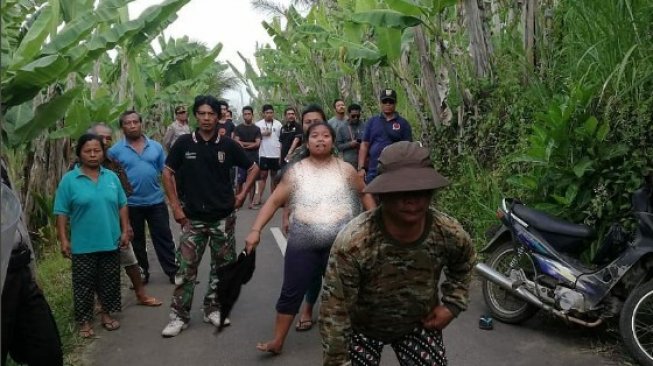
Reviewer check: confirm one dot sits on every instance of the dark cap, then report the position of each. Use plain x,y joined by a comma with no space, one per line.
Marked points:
180,109
388,94
404,167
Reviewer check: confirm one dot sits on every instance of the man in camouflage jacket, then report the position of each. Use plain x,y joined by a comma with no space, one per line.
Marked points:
381,284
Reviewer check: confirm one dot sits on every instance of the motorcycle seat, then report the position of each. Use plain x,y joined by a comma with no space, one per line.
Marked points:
545,222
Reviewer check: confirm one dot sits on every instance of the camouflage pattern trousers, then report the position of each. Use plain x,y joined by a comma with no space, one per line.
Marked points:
219,237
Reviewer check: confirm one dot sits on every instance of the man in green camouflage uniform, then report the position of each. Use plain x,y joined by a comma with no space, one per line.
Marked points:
381,284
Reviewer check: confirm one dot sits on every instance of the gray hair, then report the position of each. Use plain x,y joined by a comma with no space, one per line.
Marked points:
94,127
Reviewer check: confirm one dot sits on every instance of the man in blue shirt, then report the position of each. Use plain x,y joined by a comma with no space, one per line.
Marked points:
143,160
381,131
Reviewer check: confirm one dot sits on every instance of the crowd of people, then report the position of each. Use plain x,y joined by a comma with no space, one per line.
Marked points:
376,251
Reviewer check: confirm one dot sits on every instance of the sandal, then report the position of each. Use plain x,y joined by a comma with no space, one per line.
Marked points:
111,325
304,325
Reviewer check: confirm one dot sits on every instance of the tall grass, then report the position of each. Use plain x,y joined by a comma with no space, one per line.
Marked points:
472,198
54,277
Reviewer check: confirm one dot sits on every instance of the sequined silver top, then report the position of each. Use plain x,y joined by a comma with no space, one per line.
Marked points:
324,195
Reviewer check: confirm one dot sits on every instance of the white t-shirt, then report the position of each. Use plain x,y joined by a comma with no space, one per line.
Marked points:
270,145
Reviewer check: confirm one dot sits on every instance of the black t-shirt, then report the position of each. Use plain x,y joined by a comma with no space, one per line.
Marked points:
228,125
203,170
249,133
288,134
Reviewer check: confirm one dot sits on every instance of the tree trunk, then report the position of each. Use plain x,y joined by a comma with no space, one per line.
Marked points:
429,79
124,69
479,40
528,19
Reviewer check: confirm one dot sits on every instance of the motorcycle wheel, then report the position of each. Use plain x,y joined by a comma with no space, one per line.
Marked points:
505,307
636,323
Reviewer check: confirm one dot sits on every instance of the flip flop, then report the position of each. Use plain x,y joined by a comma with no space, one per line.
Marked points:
304,325
150,301
111,325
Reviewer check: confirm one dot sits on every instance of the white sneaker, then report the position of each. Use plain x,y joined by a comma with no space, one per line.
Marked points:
214,318
175,327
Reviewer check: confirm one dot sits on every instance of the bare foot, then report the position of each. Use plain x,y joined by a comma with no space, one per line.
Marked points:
271,347
86,330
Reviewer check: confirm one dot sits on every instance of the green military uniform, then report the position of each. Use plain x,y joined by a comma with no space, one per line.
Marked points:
378,289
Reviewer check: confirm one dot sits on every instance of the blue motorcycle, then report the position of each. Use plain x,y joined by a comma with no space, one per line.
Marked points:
533,264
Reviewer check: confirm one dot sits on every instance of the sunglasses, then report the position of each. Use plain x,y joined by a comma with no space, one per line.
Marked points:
387,101
355,115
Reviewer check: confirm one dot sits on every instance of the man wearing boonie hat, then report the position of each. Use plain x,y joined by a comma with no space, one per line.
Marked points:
381,284
381,130
177,128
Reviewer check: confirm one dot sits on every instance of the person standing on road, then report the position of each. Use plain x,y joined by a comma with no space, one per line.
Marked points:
91,198
269,152
323,193
203,162
381,284
29,331
127,257
382,130
350,135
143,160
177,128
248,135
291,135
339,119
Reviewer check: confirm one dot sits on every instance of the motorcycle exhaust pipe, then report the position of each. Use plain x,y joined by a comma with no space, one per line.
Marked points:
509,285
516,289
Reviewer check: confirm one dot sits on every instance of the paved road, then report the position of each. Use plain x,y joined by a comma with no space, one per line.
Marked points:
539,342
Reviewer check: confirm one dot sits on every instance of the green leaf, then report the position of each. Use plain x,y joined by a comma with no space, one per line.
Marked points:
570,194
365,5
583,166
590,125
602,132
33,77
527,159
47,115
406,7
389,42
387,19
31,44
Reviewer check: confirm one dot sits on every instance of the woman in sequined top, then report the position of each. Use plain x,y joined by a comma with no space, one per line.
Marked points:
324,193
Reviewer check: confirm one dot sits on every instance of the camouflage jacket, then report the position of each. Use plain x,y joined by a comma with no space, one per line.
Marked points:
382,289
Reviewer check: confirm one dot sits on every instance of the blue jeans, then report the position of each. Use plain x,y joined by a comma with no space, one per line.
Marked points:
158,222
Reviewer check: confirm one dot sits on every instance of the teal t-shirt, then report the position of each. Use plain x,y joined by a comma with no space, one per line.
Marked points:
92,208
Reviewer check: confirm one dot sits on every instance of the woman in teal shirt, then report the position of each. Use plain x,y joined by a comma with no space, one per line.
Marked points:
91,198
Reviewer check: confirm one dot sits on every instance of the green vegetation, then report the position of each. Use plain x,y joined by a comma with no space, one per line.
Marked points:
547,101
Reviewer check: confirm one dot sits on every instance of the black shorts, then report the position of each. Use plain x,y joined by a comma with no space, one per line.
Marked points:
269,163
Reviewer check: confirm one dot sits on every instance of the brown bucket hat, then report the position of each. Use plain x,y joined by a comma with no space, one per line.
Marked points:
403,167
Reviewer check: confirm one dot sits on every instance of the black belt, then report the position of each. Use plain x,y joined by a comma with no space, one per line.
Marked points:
20,258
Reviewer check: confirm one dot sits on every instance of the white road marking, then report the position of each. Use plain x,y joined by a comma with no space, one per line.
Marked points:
280,239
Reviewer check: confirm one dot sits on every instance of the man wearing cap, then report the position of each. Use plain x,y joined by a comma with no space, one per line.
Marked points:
381,283
381,130
177,128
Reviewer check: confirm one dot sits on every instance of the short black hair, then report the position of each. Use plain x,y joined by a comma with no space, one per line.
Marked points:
209,100
127,113
83,139
337,100
248,108
354,107
313,108
289,109
267,107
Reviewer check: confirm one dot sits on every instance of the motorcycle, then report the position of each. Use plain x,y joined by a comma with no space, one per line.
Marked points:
534,264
